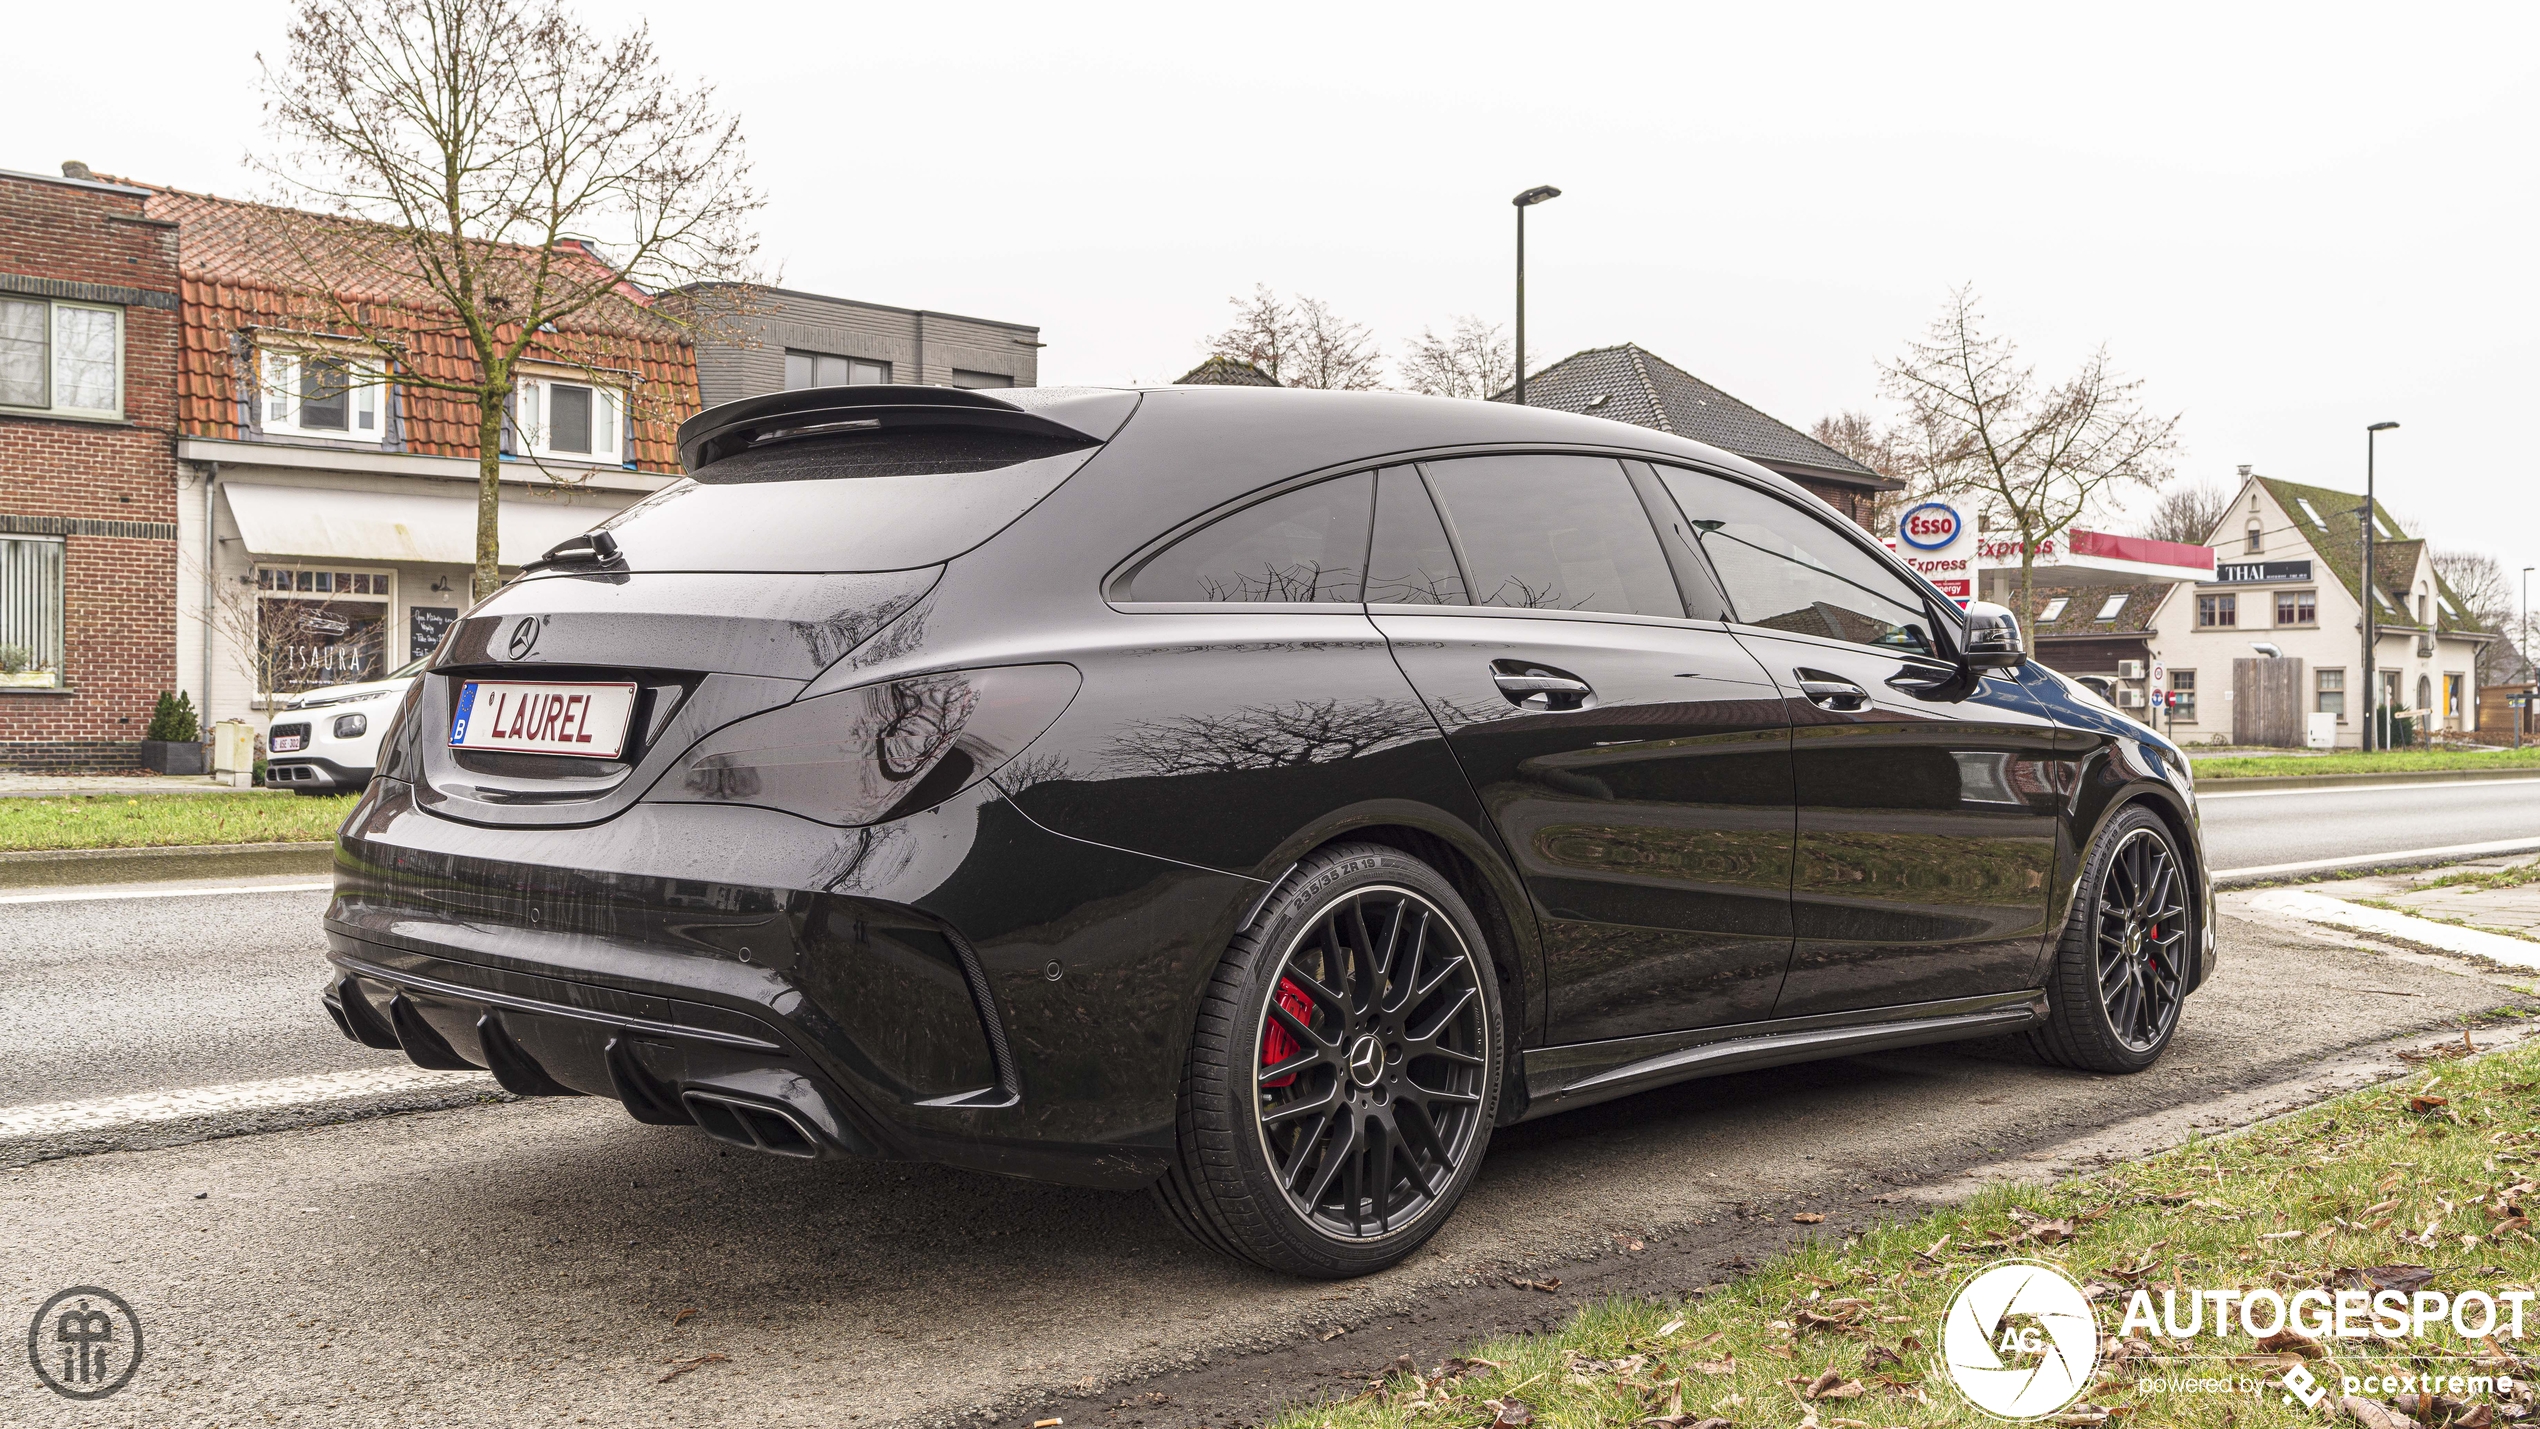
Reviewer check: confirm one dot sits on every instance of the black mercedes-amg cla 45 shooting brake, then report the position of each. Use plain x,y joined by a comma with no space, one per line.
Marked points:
1255,795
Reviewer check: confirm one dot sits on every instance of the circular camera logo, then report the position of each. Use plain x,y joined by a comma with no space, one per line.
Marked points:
85,1343
2020,1341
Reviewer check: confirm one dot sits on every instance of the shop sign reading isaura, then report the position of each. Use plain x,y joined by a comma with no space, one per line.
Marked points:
1938,543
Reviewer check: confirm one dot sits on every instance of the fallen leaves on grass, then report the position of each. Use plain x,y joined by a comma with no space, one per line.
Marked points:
2294,1341
2374,1416
1513,1413
1829,1385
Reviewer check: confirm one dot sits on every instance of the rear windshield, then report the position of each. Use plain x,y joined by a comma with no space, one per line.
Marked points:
832,504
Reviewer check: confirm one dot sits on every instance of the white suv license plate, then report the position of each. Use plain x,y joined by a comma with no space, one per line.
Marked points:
587,720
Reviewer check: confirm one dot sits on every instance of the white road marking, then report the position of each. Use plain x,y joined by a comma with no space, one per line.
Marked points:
2395,855
167,893
2336,912
54,1118
2203,797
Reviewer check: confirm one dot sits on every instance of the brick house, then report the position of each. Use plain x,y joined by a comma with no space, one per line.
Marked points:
327,510
1631,384
88,536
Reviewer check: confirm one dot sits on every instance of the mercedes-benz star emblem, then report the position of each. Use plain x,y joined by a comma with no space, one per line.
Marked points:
524,637
1366,1061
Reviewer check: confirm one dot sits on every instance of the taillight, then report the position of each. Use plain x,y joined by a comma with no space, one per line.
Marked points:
877,752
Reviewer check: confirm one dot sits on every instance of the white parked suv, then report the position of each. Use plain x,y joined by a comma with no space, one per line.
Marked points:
326,740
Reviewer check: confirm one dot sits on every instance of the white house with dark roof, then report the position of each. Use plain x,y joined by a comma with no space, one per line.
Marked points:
2289,575
1631,384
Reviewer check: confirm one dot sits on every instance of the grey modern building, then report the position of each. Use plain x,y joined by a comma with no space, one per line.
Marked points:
805,340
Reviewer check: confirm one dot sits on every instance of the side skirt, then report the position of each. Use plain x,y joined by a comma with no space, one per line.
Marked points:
1585,1073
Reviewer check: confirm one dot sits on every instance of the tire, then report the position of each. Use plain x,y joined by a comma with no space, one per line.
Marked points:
2119,979
1346,1162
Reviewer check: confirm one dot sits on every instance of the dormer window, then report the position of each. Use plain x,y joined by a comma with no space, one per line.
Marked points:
316,394
569,420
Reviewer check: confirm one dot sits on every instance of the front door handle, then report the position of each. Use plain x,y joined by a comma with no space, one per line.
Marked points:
1841,696
1540,687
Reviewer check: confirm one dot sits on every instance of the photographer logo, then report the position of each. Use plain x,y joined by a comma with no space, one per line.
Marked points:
2019,1340
84,1343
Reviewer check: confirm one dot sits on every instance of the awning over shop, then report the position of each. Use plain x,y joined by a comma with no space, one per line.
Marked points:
326,524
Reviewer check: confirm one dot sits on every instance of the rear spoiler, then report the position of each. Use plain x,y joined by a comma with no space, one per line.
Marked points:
1080,415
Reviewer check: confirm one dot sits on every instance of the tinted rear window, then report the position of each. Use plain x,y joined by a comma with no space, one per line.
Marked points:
1306,545
828,504
1555,533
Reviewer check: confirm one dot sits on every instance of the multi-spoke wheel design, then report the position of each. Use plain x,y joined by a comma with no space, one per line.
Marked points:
1369,1079
1344,1071
2142,940
2128,954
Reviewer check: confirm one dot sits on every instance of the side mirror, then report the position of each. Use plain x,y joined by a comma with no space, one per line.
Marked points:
1993,637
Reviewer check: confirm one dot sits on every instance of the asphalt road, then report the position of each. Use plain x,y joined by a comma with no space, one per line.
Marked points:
2260,828
530,1261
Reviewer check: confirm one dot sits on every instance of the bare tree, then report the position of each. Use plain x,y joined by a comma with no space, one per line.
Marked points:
533,183
1333,352
1287,736
2035,455
2187,512
1263,332
1859,436
2486,596
1300,342
1471,361
286,643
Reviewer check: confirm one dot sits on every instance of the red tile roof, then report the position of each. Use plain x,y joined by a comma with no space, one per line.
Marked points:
233,261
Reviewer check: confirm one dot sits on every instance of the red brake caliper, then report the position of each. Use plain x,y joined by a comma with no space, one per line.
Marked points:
1278,1044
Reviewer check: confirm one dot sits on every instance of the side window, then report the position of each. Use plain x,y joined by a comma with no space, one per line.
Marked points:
1783,569
1307,545
1411,563
1555,533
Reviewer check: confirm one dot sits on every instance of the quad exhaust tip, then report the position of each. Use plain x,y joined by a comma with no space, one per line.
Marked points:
757,1125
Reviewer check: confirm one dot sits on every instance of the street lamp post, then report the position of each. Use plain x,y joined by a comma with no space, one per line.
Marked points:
2372,691
1525,201
2522,716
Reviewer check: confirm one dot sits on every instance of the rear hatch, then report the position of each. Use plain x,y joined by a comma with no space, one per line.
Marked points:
812,521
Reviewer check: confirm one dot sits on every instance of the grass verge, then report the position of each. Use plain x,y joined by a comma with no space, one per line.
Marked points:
167,820
2406,1187
2385,761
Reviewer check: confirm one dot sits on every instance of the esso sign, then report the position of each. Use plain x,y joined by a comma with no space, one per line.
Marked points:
1929,527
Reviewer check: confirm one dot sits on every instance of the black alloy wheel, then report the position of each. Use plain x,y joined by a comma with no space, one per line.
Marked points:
2142,940
2121,973
1342,1086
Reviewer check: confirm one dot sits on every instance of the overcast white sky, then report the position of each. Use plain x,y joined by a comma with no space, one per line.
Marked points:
2290,221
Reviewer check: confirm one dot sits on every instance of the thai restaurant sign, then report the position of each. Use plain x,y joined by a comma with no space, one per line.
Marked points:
2259,572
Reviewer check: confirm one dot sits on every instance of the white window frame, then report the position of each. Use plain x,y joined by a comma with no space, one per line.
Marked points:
278,402
52,405
43,581
2113,606
533,405
2054,609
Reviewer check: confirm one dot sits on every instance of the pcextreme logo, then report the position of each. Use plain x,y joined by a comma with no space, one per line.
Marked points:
2019,1340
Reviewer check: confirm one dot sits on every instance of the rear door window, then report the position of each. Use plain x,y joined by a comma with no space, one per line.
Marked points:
1554,533
1786,570
1306,546
1412,562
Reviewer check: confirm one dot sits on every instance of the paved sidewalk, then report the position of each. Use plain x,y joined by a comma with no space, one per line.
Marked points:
2495,902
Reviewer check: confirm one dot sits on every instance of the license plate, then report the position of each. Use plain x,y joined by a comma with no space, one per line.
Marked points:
543,718
285,743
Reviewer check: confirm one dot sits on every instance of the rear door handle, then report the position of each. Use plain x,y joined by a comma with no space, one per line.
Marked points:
1538,687
1842,696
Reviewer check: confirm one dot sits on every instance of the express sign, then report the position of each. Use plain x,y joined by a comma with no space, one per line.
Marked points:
1929,527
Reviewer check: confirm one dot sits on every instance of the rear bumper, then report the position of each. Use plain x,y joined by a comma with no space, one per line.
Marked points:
961,986
668,1062
300,773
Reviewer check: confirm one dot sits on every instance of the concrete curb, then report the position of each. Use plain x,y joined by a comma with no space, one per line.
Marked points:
2343,781
2423,932
52,855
